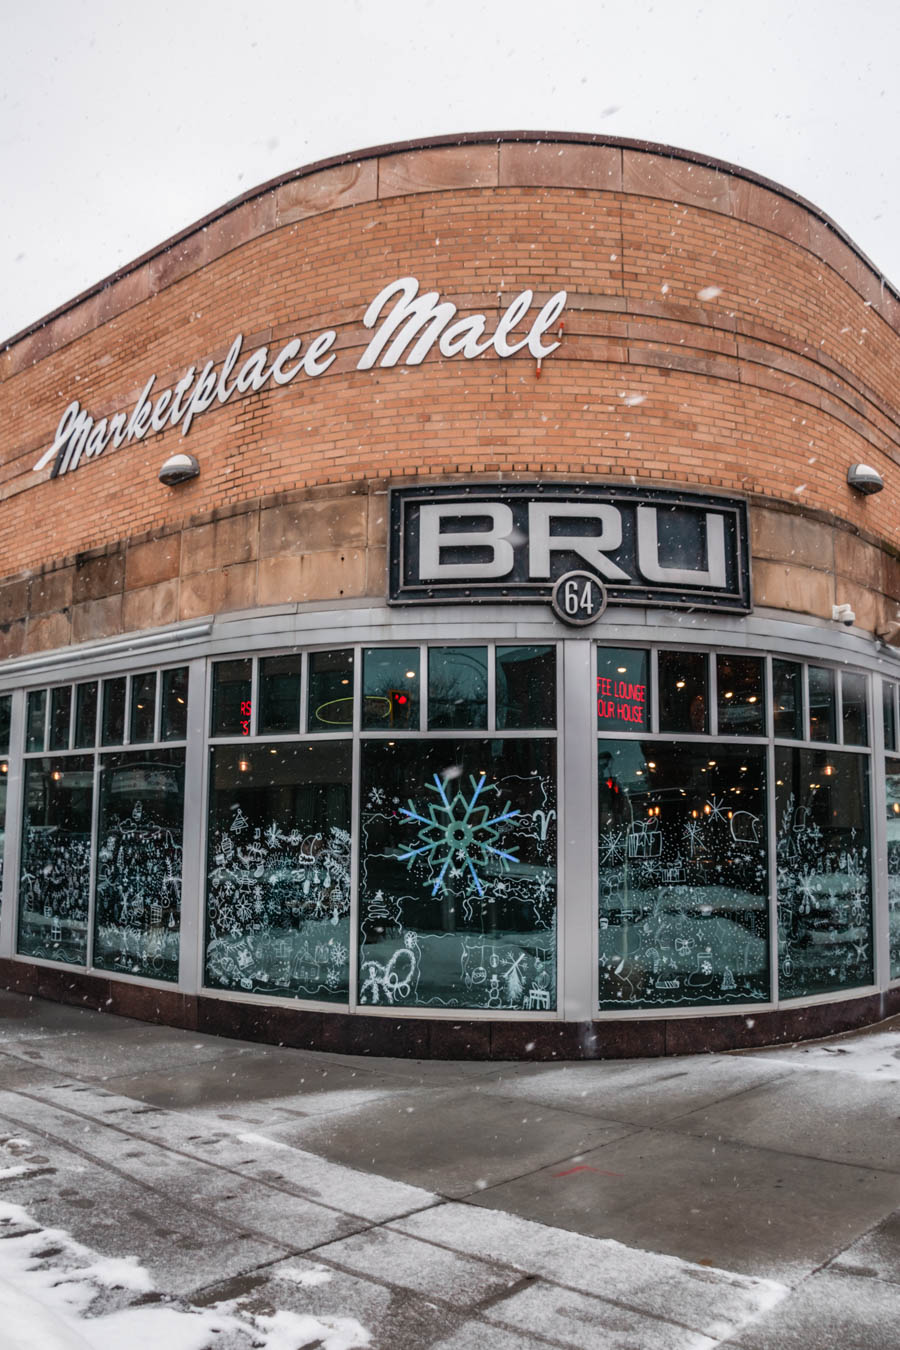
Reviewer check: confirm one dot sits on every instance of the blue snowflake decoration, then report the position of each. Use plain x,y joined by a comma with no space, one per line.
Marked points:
458,829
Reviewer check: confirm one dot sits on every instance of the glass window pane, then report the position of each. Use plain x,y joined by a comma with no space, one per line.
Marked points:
279,694
330,693
853,708
232,710
137,914
787,699
113,730
391,688
4,778
683,696
824,883
35,719
5,714
742,706
526,687
143,707
457,888
55,878
173,722
60,717
892,769
890,715
86,714
457,687
822,718
278,881
623,689
683,903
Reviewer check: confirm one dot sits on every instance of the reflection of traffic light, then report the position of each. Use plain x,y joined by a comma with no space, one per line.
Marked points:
400,707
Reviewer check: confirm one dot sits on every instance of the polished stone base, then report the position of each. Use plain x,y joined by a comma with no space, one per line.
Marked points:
445,1038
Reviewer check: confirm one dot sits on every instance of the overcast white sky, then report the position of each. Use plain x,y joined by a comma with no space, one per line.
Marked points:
122,122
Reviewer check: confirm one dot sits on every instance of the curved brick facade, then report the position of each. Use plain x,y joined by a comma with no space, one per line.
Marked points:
719,333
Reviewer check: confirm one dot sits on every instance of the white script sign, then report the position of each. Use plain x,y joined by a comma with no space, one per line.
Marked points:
405,333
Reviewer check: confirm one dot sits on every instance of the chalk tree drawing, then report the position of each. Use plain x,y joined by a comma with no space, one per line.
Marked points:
278,880
55,877
824,875
458,874
682,874
137,916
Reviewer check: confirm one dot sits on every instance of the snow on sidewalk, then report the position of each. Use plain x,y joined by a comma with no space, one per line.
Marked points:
56,1294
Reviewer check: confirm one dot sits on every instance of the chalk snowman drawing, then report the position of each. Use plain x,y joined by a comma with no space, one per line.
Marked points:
467,861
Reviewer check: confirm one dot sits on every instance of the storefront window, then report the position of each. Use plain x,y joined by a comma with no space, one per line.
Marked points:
278,871
173,720
232,708
60,717
35,719
787,699
86,715
458,874
279,694
893,863
526,687
54,884
137,912
457,688
822,713
623,689
143,707
853,709
391,689
683,692
824,874
683,907
889,713
330,698
113,712
742,708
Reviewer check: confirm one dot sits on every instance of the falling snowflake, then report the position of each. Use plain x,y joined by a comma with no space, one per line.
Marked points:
458,830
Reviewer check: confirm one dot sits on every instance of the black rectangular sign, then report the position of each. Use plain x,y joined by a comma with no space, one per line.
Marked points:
648,546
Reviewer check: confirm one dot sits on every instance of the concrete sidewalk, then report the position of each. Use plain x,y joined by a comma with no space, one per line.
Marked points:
748,1200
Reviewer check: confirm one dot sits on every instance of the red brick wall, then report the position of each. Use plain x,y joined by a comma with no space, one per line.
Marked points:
774,387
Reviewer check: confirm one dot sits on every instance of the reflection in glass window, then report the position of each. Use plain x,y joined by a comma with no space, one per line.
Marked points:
526,687
137,914
232,709
853,709
279,694
113,729
893,863
5,715
787,699
683,697
457,687
391,689
143,707
824,873
330,695
742,708
623,689
278,871
56,859
822,718
86,715
60,717
683,907
35,718
458,874
890,715
173,718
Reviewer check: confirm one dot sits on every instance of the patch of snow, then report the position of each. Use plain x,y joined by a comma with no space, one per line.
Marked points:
263,1139
310,1278
875,1056
709,292
53,1292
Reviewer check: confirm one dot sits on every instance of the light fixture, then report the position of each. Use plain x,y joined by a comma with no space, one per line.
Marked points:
679,684
729,693
244,765
179,468
410,674
865,479
752,698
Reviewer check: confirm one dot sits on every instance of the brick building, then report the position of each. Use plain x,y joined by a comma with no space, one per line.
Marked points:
446,610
